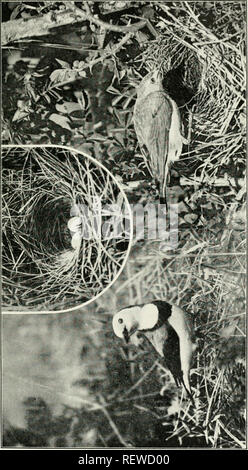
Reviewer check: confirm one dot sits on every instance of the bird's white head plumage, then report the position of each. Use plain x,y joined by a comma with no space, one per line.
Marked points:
152,82
129,320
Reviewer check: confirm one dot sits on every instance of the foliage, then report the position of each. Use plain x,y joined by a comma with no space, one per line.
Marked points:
200,46
79,86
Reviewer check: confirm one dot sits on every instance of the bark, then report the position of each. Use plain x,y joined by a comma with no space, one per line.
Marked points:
41,25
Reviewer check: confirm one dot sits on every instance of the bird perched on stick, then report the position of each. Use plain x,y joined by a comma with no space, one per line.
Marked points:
168,328
158,126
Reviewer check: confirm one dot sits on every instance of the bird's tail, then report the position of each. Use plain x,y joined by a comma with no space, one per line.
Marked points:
163,197
163,202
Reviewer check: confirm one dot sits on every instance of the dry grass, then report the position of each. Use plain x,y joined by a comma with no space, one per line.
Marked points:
41,271
206,274
212,68
207,279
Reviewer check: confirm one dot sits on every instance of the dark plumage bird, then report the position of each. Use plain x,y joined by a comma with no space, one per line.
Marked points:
158,128
169,330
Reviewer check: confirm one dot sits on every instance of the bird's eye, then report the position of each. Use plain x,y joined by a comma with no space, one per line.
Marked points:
152,80
120,320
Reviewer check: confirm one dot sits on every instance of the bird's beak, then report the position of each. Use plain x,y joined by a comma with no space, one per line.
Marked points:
127,334
158,75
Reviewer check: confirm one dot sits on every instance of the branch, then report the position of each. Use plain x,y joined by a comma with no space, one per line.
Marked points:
41,25
133,28
111,27
109,52
93,62
222,182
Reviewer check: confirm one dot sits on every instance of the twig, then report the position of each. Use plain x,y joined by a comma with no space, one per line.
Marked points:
91,64
142,378
222,182
40,25
133,28
241,444
111,422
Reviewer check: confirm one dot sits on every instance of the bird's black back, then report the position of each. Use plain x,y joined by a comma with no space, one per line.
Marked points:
171,349
164,309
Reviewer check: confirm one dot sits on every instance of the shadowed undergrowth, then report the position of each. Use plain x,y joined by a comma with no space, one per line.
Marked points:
116,396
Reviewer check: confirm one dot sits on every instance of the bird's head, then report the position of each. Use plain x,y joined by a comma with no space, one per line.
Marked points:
132,319
150,83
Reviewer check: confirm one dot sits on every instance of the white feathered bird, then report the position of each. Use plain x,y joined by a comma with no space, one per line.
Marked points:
168,328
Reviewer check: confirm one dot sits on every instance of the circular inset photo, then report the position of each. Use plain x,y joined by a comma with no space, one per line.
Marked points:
66,228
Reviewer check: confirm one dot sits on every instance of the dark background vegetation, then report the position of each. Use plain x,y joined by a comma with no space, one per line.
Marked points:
76,84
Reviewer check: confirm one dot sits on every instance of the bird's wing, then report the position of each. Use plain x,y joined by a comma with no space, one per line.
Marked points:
181,322
173,361
161,113
157,338
165,341
152,120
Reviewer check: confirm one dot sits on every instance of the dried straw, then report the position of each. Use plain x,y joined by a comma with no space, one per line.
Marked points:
41,270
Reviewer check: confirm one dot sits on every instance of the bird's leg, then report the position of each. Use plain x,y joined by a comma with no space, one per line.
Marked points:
189,393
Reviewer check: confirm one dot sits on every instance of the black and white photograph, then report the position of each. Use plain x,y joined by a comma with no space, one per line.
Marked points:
63,224
123,170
